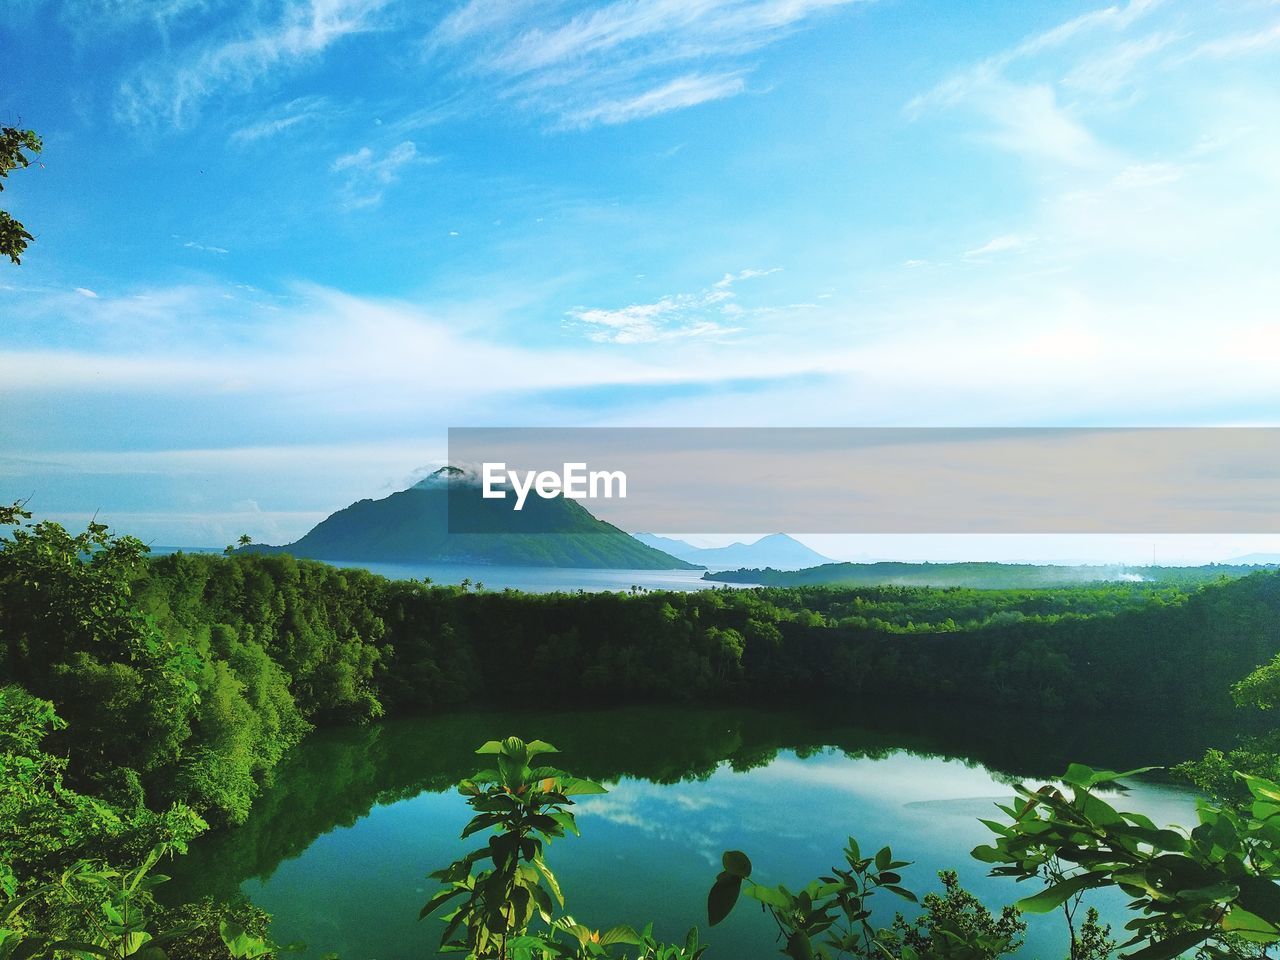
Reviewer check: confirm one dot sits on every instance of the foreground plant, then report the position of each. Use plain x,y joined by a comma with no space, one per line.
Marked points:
527,808
53,906
1214,890
831,916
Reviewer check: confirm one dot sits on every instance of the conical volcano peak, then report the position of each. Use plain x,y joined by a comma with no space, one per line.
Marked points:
449,473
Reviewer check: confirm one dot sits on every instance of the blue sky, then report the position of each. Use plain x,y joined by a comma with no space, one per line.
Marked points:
282,246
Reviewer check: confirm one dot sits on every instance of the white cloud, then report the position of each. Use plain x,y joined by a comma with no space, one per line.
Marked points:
88,17
86,292
678,317
1019,91
1002,244
618,61
677,94
192,245
1028,120
368,173
1112,69
961,84
174,88
729,279
193,339
1240,43
709,314
303,110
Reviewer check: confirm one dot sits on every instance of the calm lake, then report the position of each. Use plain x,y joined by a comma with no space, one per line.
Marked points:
339,848
542,579
528,579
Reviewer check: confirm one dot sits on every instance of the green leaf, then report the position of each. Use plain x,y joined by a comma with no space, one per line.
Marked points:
540,746
769,896
736,863
722,897
620,934
1261,897
988,854
566,821
575,786
1078,775
1222,891
798,946
1261,788
552,883
690,940
1059,893
441,898
1250,926
1170,948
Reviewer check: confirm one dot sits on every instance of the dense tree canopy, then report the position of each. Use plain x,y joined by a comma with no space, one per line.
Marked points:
141,697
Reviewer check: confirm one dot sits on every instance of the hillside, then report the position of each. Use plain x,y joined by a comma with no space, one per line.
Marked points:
413,526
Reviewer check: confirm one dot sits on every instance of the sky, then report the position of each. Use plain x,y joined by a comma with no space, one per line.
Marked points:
282,246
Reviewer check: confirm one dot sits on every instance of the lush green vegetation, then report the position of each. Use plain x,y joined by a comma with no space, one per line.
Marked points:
15,144
1212,889
180,682
186,677
989,576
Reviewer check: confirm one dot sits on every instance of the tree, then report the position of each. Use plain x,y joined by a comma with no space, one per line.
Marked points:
13,235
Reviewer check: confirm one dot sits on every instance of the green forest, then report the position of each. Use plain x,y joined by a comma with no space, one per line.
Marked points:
984,574
146,700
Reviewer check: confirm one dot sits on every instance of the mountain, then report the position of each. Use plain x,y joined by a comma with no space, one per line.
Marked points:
777,550
413,526
995,576
1261,559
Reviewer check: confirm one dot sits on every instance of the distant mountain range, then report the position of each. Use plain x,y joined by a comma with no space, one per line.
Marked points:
413,526
777,550
977,574
1259,559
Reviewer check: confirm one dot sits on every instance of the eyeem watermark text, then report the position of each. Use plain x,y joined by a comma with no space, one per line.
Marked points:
574,482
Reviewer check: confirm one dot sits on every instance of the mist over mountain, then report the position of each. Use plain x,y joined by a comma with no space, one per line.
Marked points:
413,526
777,551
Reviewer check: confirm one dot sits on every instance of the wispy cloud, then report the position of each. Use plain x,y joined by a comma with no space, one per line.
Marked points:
1240,43
687,91
209,340
1025,110
203,248
1109,71
678,317
303,110
367,173
167,16
1002,244
621,61
956,87
711,313
173,89
729,279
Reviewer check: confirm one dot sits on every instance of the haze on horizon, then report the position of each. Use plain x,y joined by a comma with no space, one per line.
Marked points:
282,247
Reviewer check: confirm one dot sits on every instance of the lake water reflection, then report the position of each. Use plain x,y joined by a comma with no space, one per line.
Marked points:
339,848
